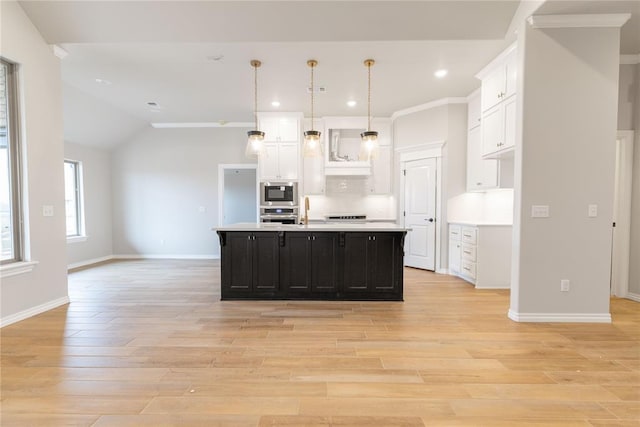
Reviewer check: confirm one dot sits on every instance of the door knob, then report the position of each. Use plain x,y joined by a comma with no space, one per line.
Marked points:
430,220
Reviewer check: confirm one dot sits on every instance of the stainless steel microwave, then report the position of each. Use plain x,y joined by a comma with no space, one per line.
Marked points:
279,193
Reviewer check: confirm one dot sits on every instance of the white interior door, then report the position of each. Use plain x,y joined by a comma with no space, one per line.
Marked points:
420,213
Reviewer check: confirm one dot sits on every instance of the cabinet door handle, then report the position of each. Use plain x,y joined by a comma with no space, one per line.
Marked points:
465,268
308,237
374,237
478,183
314,237
467,252
248,237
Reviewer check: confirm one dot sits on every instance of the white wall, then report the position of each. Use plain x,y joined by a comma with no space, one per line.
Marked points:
160,180
96,179
42,139
565,159
96,122
444,123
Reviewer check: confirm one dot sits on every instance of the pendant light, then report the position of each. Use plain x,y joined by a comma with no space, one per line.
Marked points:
369,147
255,137
312,146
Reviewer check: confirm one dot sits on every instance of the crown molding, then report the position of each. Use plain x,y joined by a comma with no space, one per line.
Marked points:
203,125
602,20
428,106
630,59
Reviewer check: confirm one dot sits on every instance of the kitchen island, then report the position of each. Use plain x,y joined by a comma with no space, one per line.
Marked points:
351,262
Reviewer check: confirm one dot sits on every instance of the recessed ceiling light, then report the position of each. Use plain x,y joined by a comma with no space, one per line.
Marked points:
275,103
441,73
351,103
103,82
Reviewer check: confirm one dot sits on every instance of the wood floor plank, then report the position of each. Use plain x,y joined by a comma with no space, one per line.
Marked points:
149,343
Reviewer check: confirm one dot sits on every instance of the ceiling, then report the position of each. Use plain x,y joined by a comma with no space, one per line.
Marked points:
192,57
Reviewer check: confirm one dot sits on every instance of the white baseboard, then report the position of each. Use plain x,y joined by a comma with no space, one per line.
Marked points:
30,312
633,297
442,270
493,287
560,317
164,256
89,262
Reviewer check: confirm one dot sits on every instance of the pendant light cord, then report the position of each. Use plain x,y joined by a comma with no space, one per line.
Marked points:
369,97
312,67
255,95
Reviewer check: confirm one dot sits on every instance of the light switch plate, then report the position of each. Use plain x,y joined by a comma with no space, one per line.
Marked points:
539,211
593,211
47,210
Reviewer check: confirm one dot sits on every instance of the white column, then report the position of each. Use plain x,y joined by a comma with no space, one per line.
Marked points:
565,160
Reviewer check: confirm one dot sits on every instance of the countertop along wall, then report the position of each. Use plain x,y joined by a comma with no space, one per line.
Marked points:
45,287
161,178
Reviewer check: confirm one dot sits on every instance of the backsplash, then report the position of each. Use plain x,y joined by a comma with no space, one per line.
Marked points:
347,195
495,206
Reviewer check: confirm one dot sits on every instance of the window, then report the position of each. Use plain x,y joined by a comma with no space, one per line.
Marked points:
73,198
10,184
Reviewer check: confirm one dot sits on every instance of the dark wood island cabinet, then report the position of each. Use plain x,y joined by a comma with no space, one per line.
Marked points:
311,262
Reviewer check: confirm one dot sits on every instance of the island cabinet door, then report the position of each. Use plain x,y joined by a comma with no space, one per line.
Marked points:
324,262
238,261
382,274
356,261
265,262
294,263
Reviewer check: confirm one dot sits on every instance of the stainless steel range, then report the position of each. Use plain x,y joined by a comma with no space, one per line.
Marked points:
345,218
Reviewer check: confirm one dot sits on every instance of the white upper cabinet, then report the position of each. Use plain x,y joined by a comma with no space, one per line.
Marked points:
279,127
498,96
482,174
493,88
281,159
499,79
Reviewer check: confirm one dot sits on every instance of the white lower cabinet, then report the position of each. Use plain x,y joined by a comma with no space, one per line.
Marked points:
481,254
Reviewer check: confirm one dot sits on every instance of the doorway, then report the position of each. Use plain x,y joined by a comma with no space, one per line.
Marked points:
620,250
238,194
420,213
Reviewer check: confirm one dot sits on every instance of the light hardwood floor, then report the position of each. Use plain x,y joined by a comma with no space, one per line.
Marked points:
148,343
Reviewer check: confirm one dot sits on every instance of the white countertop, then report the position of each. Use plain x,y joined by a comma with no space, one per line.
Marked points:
250,226
481,223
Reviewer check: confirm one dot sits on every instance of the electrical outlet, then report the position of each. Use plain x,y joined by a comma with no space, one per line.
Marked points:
592,211
202,209
47,210
565,284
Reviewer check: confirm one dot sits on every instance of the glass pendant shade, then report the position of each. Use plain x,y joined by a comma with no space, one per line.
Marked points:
369,147
312,145
255,147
